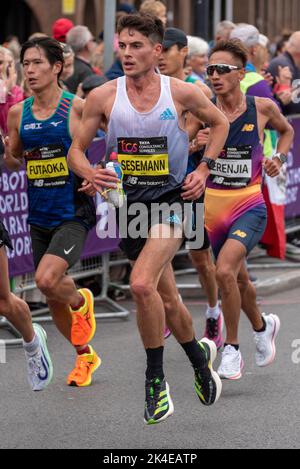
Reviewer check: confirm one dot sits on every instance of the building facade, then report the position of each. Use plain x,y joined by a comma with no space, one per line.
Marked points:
22,17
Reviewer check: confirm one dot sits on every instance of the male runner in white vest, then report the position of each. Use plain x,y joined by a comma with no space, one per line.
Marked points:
143,114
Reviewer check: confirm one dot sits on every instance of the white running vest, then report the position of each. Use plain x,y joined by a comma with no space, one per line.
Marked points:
151,147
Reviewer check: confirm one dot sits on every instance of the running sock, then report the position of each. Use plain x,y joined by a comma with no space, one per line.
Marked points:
195,354
155,363
32,347
79,305
83,350
213,313
263,329
237,347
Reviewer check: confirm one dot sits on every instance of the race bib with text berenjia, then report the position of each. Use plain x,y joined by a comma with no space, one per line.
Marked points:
47,166
233,168
145,161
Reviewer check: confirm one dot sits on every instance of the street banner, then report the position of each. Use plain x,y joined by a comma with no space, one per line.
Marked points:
14,214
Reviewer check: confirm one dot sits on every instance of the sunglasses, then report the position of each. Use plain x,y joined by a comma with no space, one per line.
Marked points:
221,69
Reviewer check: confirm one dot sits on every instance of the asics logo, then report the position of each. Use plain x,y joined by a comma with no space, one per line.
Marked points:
34,126
69,251
56,124
167,115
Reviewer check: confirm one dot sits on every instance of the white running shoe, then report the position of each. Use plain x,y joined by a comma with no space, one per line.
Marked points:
232,364
39,366
265,341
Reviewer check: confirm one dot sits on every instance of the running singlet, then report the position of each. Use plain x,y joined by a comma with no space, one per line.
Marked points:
151,147
52,188
234,186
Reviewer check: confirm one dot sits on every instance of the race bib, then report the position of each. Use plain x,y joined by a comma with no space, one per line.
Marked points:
233,168
145,162
47,166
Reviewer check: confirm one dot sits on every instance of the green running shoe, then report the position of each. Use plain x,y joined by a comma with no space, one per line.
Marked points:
159,405
208,384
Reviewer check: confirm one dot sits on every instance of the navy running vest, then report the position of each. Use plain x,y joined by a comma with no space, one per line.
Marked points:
52,187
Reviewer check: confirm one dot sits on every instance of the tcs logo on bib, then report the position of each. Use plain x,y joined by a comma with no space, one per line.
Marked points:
129,147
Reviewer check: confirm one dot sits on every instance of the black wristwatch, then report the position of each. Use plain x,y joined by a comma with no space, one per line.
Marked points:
281,157
211,164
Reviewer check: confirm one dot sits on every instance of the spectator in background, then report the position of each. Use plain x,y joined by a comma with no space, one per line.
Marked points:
224,30
155,8
287,66
68,70
83,44
254,83
198,58
261,59
10,92
60,29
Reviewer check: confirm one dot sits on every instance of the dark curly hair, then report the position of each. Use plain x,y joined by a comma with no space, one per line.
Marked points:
234,47
148,25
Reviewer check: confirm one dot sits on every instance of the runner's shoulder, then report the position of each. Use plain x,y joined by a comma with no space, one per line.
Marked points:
182,89
15,113
204,88
266,106
106,90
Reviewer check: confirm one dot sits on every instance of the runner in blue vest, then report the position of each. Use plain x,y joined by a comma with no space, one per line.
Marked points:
40,134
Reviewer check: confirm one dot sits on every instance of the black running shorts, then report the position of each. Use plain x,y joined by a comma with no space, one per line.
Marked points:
150,217
66,241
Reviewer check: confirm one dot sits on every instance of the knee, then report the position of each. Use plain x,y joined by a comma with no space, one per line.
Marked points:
171,306
46,283
141,290
225,278
6,308
243,285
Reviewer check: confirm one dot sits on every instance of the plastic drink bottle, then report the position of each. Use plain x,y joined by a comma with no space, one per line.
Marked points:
116,197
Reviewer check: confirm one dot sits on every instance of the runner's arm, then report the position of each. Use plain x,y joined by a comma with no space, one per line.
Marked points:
92,118
204,110
13,157
286,135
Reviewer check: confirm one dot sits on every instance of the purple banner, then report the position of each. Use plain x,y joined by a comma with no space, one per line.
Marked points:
14,213
293,178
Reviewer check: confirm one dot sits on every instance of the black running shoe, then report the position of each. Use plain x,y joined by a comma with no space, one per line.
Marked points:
208,385
159,405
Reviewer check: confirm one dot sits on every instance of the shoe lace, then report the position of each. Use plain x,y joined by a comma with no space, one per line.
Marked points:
260,343
212,328
35,365
81,366
227,359
153,389
79,323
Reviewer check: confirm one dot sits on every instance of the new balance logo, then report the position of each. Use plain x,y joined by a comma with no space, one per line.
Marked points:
167,115
240,234
56,124
248,128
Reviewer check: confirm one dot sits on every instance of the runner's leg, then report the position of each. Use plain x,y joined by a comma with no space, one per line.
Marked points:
12,308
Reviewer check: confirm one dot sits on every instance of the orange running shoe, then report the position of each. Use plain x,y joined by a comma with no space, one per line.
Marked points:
83,321
86,365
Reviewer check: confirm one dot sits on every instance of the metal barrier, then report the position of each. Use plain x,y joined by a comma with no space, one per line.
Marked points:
97,266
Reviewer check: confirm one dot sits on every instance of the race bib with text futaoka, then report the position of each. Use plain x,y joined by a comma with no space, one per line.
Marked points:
47,166
144,161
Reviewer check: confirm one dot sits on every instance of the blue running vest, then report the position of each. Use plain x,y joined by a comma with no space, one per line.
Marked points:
52,187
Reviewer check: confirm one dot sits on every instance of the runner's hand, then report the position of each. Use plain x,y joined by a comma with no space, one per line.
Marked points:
195,184
272,167
88,189
104,179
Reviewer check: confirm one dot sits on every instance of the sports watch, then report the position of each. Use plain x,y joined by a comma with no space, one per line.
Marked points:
211,164
282,157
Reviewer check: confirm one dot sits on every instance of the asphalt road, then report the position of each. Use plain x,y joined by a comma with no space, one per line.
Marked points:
260,411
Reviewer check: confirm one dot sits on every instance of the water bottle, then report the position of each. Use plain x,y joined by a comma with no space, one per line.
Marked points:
116,197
